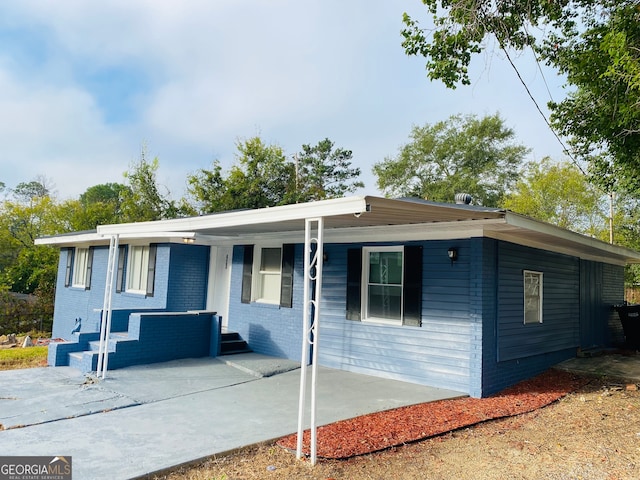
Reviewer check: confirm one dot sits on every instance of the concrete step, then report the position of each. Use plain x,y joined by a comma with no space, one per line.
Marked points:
232,343
94,346
84,361
75,360
590,352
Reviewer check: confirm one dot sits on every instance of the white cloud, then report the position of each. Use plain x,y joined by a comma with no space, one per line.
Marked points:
55,132
83,84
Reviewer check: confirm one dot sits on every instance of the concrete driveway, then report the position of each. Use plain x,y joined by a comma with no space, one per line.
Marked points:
149,418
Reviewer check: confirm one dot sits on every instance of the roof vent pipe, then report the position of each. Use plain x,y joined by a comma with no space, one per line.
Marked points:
463,199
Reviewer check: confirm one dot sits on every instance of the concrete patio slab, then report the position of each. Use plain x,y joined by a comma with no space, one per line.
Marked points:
616,365
141,420
51,394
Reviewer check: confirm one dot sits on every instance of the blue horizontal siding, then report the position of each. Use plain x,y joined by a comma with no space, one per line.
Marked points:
561,302
437,353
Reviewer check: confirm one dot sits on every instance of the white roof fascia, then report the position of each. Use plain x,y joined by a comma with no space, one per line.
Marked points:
99,239
572,252
69,239
521,221
321,208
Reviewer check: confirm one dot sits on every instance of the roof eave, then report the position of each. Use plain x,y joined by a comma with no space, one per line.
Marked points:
579,240
321,208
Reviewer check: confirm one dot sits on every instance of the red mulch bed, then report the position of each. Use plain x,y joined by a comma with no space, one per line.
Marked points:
382,430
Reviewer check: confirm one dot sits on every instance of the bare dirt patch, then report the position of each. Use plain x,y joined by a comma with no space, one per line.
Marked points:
592,433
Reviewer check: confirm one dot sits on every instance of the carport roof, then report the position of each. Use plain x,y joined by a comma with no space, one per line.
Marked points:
409,218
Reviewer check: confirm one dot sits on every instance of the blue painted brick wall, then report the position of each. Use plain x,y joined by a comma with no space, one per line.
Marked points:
268,329
72,303
180,285
188,277
156,338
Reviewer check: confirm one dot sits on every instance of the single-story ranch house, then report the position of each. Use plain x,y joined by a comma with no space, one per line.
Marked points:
455,296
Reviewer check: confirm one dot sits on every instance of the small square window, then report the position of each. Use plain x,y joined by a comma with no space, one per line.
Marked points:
532,297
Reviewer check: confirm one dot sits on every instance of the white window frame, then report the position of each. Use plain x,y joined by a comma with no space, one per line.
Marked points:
80,259
137,269
528,297
366,251
258,281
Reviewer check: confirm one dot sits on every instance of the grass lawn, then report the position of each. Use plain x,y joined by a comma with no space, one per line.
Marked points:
14,358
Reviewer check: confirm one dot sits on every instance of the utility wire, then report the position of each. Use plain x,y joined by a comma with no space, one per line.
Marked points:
566,150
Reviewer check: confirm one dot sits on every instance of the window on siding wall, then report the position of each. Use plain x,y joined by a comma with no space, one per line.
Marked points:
141,263
532,297
384,284
80,263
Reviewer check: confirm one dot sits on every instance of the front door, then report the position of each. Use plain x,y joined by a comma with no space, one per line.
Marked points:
219,280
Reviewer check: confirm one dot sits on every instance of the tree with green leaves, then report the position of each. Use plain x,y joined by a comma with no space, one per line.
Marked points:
323,172
143,200
98,205
595,44
107,193
261,177
560,194
463,154
602,114
28,192
31,213
207,190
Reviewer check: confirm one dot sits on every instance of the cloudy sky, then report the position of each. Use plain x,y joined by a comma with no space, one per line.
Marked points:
83,85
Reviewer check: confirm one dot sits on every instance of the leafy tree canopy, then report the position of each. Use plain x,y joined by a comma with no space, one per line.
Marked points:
263,176
23,266
98,205
29,191
558,193
324,172
259,178
104,193
144,200
595,44
463,154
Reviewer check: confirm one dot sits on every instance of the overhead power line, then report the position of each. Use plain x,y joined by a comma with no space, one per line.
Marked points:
546,120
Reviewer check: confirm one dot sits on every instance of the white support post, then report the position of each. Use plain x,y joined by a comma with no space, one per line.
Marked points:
105,321
310,334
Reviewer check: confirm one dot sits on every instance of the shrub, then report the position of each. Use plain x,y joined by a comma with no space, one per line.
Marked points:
22,313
